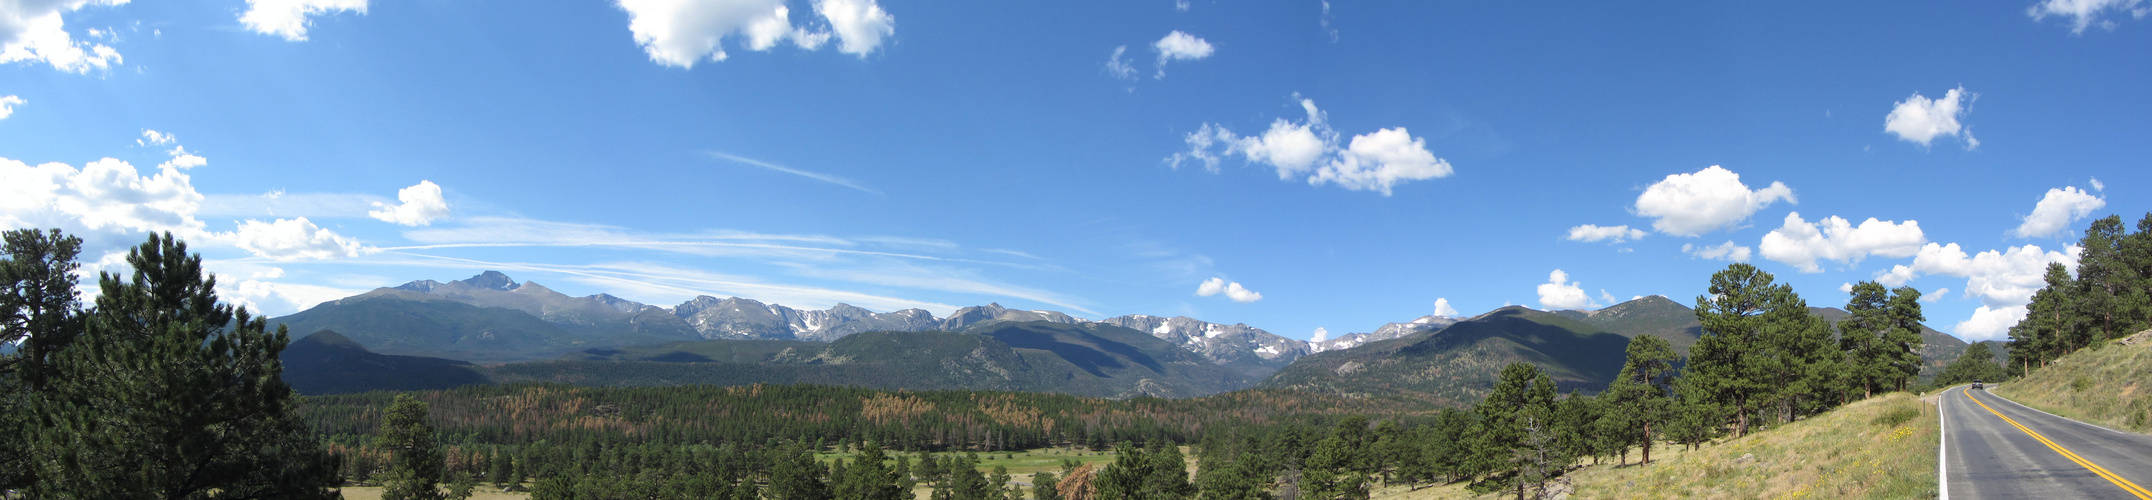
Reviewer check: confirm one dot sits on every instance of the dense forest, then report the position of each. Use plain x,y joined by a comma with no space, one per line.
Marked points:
157,389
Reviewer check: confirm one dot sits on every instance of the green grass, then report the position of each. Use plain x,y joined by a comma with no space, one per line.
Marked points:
2105,386
1020,463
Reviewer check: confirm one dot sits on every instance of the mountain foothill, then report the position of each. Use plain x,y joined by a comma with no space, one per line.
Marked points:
491,329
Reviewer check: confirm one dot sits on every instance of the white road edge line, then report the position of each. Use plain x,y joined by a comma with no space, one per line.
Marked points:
2095,426
1942,446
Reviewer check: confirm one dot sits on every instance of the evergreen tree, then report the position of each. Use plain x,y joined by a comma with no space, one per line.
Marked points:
795,475
1125,477
1637,404
1521,393
1977,363
1868,355
1448,451
1043,486
168,393
2041,336
1330,473
39,315
503,467
1240,479
999,482
1903,338
867,479
1168,474
964,481
415,457
1761,350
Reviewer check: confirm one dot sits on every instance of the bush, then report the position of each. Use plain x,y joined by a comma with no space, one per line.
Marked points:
1897,416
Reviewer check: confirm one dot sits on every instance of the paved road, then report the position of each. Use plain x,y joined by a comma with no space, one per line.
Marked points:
2040,456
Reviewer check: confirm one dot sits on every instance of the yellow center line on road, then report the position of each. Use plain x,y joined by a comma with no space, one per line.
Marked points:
2126,485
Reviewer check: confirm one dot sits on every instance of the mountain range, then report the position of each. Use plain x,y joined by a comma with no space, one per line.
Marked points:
491,329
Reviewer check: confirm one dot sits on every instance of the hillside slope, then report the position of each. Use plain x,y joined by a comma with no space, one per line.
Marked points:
1456,366
329,363
2110,386
1081,359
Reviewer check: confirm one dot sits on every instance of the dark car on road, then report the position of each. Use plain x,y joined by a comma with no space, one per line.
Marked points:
1978,385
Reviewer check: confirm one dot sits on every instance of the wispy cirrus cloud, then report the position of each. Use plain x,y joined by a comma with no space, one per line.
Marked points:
832,179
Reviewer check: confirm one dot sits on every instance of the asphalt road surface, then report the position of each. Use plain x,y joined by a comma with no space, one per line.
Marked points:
1994,448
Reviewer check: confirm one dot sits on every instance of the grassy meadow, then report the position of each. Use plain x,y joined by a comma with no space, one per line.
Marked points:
2106,386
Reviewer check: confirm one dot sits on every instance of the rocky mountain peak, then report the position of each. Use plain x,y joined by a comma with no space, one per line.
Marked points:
492,280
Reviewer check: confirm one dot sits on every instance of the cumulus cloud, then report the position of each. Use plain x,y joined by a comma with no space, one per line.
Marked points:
1610,234
183,160
1234,291
1119,65
2057,210
860,25
260,295
106,196
1559,293
155,138
681,33
291,18
1800,243
1999,278
8,104
1935,296
1710,199
2088,13
1309,149
1919,119
1727,251
1321,334
294,239
422,204
1442,308
2097,185
1989,323
34,31
1178,46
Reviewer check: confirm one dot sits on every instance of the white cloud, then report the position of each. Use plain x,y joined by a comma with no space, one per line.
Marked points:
1320,335
8,104
291,18
1592,233
1710,199
1559,293
155,138
422,204
1119,65
33,31
1215,286
1180,5
1935,296
106,196
1919,119
1845,287
183,160
1989,323
1800,243
1381,160
1377,161
1999,278
1727,251
683,32
268,297
860,24
2087,13
2098,186
1442,308
1178,46
294,239
2057,210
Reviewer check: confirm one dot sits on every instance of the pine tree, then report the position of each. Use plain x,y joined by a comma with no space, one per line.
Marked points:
1903,338
168,393
867,479
1521,392
2041,335
1168,475
1761,350
1124,478
795,475
39,315
1043,486
1861,337
1977,363
1636,404
415,457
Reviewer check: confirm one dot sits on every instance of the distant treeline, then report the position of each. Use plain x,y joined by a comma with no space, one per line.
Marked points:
2110,296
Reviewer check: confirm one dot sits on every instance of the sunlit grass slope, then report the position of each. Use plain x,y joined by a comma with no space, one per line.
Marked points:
2110,386
1880,448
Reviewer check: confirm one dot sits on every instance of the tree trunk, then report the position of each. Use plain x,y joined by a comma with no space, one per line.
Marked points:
1647,443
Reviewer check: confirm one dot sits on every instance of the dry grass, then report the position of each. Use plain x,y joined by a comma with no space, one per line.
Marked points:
2106,386
1846,453
483,492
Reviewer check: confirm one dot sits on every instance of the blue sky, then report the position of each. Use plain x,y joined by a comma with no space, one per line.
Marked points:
1312,165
